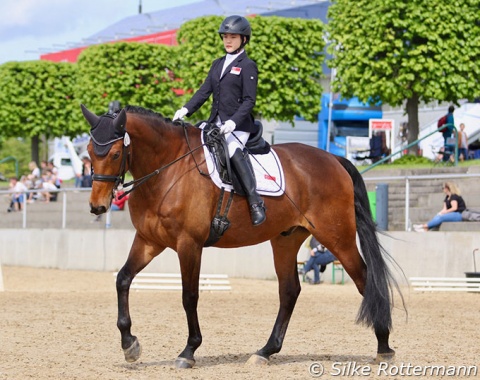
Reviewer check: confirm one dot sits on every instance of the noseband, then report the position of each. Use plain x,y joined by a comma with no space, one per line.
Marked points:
120,177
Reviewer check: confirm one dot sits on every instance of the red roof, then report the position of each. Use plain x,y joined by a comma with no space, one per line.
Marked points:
71,55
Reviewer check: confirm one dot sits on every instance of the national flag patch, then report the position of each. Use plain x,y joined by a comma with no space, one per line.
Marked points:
236,70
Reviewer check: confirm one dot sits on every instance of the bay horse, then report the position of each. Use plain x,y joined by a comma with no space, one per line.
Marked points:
173,204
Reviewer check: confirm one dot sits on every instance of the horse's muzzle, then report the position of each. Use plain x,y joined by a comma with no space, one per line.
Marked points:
98,210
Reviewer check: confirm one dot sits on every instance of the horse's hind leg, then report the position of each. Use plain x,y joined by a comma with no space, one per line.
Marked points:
371,282
285,251
140,255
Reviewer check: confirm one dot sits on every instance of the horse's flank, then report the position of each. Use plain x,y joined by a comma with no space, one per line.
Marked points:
186,192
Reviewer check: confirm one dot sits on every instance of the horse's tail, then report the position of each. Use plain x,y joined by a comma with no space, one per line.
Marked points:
376,308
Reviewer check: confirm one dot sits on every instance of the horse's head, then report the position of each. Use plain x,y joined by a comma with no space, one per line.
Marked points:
108,150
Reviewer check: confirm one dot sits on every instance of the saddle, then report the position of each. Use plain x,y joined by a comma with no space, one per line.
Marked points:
217,146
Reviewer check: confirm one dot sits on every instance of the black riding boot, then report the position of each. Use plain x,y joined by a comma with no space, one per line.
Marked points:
249,185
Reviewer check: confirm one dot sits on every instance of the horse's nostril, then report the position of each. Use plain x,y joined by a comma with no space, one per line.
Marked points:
98,210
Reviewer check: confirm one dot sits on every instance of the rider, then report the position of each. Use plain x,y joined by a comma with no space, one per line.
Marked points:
233,81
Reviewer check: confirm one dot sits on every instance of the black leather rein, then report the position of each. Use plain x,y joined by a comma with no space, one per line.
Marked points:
120,178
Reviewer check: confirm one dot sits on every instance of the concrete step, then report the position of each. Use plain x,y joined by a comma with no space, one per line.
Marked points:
460,226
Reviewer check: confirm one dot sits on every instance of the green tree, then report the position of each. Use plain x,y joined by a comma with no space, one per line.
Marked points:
288,53
36,99
396,51
132,73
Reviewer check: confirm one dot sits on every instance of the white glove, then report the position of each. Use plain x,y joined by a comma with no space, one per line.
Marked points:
228,127
180,114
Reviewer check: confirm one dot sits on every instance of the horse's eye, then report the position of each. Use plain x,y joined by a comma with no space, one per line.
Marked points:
116,155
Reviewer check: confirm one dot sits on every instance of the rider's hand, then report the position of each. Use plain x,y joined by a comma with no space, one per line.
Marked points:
228,127
180,114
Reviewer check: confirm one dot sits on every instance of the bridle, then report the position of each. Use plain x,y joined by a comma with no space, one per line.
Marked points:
119,179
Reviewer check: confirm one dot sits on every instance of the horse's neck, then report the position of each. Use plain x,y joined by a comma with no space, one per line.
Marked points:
155,147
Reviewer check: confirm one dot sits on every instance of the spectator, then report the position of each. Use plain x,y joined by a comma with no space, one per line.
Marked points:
447,132
54,171
50,185
318,260
453,206
34,170
86,172
34,179
119,204
18,190
462,143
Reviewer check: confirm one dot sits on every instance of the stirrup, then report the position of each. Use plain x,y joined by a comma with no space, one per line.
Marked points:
257,212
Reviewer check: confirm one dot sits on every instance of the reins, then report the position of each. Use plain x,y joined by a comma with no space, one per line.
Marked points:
120,178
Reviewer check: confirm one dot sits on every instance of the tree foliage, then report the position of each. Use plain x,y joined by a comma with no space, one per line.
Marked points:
37,99
42,98
132,73
393,51
288,53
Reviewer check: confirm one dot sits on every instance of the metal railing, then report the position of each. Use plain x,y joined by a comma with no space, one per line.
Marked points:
11,158
416,143
406,178
63,191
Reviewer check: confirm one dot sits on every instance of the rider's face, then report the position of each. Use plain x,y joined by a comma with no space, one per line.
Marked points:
231,42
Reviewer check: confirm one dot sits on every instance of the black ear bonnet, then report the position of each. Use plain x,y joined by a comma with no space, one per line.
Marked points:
105,130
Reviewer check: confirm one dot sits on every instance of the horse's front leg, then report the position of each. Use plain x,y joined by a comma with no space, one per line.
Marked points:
140,255
285,259
190,269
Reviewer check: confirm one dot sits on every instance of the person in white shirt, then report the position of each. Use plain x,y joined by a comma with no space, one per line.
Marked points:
18,190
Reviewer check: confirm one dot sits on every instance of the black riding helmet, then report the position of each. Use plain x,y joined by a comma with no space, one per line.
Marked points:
236,25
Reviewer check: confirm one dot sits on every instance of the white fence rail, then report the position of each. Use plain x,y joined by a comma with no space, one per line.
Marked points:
173,281
445,284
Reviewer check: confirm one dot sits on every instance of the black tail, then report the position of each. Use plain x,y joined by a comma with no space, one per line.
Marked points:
376,308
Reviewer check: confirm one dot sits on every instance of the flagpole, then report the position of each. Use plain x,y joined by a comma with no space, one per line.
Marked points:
330,106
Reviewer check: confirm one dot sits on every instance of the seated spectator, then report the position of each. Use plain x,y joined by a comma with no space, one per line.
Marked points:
54,170
18,190
119,204
453,206
50,183
34,170
318,260
34,180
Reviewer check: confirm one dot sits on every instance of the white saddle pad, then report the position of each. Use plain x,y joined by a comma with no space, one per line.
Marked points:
267,168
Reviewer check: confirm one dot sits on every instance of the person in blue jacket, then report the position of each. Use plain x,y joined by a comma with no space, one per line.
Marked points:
232,80
319,258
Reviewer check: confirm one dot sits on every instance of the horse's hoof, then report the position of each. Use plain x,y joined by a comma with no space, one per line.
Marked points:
133,352
257,360
183,363
386,357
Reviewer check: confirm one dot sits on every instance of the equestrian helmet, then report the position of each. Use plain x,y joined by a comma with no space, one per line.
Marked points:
236,25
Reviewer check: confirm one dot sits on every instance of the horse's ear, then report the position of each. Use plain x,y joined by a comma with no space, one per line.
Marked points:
120,121
90,116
